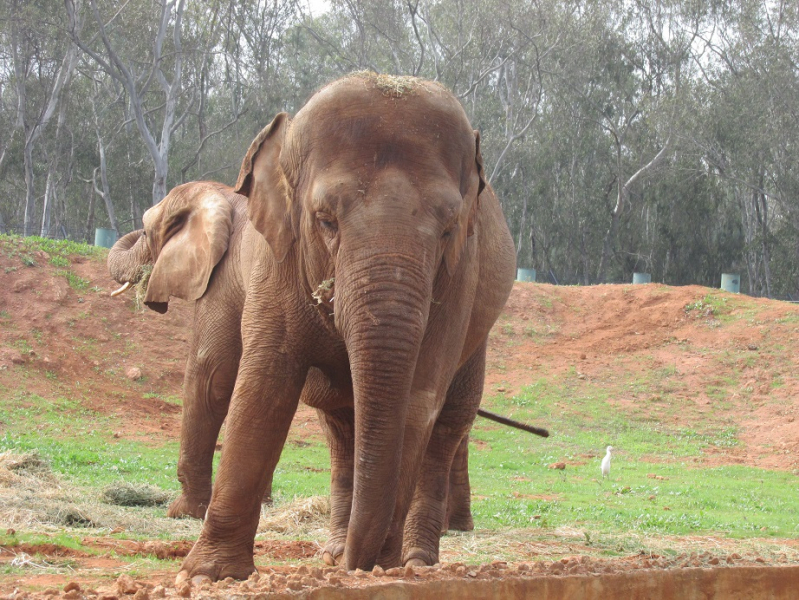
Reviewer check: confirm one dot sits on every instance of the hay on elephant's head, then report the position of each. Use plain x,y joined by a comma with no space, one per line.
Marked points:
394,86
129,494
302,513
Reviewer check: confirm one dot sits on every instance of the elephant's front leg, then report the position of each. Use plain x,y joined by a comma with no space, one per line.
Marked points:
429,508
417,432
208,385
258,422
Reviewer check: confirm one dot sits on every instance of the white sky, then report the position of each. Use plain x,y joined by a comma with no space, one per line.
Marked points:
317,7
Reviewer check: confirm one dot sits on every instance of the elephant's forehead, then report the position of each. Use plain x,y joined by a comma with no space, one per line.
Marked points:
152,214
349,115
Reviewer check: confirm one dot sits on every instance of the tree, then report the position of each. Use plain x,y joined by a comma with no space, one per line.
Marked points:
35,65
121,61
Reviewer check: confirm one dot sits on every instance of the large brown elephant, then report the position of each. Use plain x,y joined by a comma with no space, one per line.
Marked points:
198,229
381,259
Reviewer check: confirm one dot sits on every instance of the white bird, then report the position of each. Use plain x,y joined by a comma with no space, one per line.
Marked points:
605,466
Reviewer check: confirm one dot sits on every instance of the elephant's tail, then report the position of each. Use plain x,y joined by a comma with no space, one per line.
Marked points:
511,423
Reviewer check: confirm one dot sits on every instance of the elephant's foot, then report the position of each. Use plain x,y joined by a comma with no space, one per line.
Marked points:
333,553
419,557
183,506
460,522
207,563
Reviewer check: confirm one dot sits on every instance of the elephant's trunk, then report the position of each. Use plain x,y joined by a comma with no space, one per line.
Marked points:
381,310
128,256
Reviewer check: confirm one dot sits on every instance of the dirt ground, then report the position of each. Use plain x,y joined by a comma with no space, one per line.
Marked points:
122,361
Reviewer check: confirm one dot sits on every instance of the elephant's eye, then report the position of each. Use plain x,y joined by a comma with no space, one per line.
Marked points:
327,222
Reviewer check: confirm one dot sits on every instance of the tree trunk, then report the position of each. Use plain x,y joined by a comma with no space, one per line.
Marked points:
30,197
90,216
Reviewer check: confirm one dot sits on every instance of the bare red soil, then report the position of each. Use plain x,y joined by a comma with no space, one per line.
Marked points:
79,343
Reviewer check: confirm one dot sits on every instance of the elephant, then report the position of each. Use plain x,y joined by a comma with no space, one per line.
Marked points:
198,227
379,259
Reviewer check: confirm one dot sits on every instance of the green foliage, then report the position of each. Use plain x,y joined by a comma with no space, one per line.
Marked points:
55,248
76,282
571,100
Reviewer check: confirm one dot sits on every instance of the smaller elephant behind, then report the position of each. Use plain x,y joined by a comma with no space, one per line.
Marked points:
196,243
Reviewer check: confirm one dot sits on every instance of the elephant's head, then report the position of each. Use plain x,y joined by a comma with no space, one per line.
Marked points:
184,237
375,185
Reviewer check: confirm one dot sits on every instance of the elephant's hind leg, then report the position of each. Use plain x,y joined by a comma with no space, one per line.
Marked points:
337,418
339,427
459,501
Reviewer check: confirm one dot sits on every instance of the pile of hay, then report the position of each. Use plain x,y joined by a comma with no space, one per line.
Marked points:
300,515
25,470
31,494
130,494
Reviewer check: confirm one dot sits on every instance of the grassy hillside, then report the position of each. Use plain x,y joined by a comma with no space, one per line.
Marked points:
694,388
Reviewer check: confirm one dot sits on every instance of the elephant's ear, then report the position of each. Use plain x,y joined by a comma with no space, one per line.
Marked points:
263,181
191,234
473,184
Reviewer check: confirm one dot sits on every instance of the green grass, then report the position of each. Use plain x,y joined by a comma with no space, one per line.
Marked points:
80,445
64,248
513,484
658,485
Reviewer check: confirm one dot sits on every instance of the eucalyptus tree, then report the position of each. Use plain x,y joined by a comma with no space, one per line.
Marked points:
142,49
43,62
749,139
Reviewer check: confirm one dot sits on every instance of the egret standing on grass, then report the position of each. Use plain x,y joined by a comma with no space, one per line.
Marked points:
605,466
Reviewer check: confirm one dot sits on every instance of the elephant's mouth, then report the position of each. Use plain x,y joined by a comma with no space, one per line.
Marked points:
138,283
324,295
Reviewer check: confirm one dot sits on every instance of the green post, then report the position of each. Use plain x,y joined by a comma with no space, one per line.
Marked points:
105,238
731,282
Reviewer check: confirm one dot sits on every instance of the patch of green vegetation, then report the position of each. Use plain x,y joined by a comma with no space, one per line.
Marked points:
27,260
60,261
75,281
22,345
79,443
169,398
61,539
654,487
303,470
52,247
